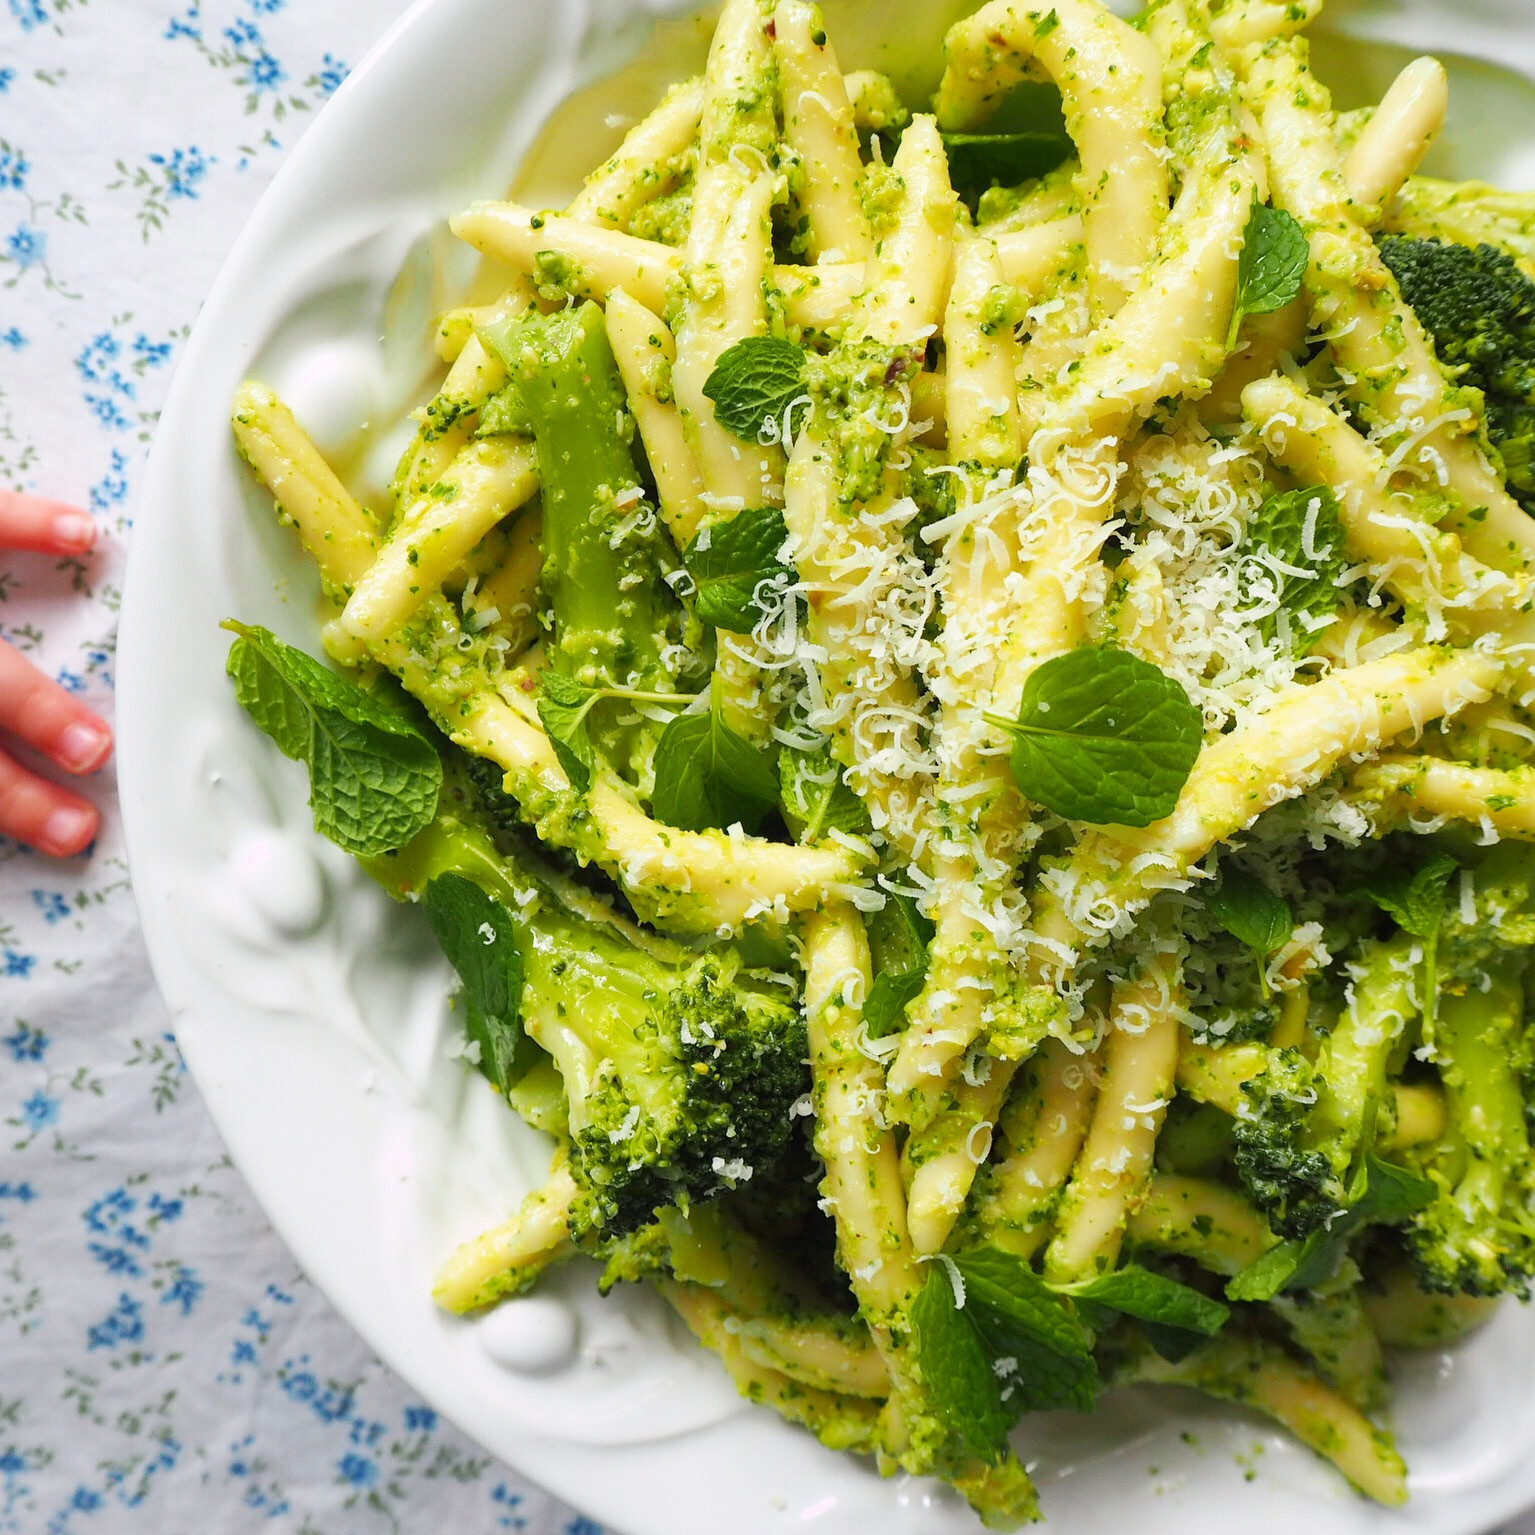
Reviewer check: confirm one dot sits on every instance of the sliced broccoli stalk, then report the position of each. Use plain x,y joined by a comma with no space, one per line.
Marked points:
1305,1123
613,619
1478,1237
1480,309
679,1073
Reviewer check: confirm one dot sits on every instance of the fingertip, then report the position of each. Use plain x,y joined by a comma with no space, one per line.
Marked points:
70,829
83,746
73,533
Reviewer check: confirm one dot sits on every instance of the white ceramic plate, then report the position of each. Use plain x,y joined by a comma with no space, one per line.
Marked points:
311,1010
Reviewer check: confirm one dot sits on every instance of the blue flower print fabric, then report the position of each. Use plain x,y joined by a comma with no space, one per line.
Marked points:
163,1366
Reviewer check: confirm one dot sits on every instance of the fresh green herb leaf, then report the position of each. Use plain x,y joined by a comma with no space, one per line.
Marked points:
1041,1351
708,776
980,161
563,704
1152,1297
1415,901
1301,530
1251,912
754,383
1380,1193
957,1369
1385,1194
731,560
1275,255
814,798
1105,737
479,936
374,777
899,938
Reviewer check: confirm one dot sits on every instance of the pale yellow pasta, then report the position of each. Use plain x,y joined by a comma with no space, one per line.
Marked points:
640,168
333,528
1030,257
1110,78
644,349
831,1358
840,1422
1292,745
508,1258
589,261
1424,566
1392,144
908,272
981,385
1140,1055
819,130
1262,1376
486,480
728,258
1426,423
1043,1128
1423,788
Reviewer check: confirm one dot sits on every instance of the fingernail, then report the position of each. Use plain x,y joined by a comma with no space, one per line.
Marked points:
74,532
82,748
68,830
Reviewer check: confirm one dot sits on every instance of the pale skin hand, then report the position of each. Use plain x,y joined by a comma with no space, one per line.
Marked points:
38,712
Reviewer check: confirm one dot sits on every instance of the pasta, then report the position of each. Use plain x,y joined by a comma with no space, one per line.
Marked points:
962,713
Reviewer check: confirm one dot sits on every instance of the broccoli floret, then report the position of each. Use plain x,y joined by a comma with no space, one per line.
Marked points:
1306,1122
679,1071
1480,309
1292,1182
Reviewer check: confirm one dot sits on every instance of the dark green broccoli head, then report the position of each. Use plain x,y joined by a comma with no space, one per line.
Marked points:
690,1095
1480,309
1290,1180
1475,1239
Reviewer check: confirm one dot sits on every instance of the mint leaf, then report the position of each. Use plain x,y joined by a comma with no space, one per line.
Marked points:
980,161
814,798
957,1369
1039,1347
1251,912
374,777
754,382
1270,1273
563,704
1275,255
1415,901
1385,1194
1300,530
1380,1193
1152,1297
1105,737
708,776
731,560
479,936
899,939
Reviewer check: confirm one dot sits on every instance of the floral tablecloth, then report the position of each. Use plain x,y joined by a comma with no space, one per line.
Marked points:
164,1367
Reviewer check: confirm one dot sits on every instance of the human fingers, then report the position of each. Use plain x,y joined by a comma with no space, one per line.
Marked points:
35,709
47,527
42,814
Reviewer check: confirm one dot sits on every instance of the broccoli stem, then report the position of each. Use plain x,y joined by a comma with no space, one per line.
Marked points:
1478,1047
602,572
563,957
1351,1067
